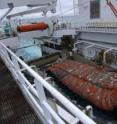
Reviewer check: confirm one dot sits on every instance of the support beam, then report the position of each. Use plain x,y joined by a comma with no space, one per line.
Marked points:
104,56
90,46
40,83
18,3
43,9
7,12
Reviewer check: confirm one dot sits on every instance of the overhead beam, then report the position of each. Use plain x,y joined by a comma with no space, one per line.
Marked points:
7,12
43,9
17,3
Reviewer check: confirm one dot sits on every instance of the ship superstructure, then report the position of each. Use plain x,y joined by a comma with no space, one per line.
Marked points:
50,106
32,49
97,29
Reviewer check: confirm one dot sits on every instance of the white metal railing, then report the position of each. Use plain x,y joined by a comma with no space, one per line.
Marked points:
35,93
98,30
106,48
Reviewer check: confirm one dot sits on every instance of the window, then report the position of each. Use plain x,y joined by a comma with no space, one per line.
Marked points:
94,9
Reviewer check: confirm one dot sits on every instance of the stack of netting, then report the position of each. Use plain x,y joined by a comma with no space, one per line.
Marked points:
91,82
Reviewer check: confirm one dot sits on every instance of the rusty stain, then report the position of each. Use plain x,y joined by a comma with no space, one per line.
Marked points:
93,83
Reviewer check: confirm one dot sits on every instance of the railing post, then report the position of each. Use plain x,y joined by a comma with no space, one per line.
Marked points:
15,62
42,98
104,55
40,101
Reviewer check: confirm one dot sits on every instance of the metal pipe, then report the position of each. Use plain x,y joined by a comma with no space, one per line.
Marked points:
55,116
7,12
38,107
89,46
99,45
33,100
74,49
104,55
30,11
67,104
109,48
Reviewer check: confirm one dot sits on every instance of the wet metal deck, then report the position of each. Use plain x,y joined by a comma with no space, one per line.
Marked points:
13,107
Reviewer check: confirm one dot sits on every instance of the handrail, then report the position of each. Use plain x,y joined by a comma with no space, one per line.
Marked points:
91,44
40,83
96,44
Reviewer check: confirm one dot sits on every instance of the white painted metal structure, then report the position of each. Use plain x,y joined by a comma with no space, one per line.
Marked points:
17,3
34,6
41,6
35,94
44,9
76,10
97,32
90,50
6,13
106,14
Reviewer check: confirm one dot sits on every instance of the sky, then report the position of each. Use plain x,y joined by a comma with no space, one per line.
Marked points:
64,7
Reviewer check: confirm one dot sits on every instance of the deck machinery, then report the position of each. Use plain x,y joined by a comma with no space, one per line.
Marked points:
49,105
95,39
97,29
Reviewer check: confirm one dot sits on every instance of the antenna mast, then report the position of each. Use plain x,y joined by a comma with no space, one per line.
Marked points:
76,10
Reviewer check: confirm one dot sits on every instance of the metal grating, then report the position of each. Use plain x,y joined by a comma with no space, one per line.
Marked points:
13,107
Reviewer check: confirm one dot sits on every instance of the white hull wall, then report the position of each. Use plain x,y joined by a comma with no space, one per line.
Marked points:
106,13
101,37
